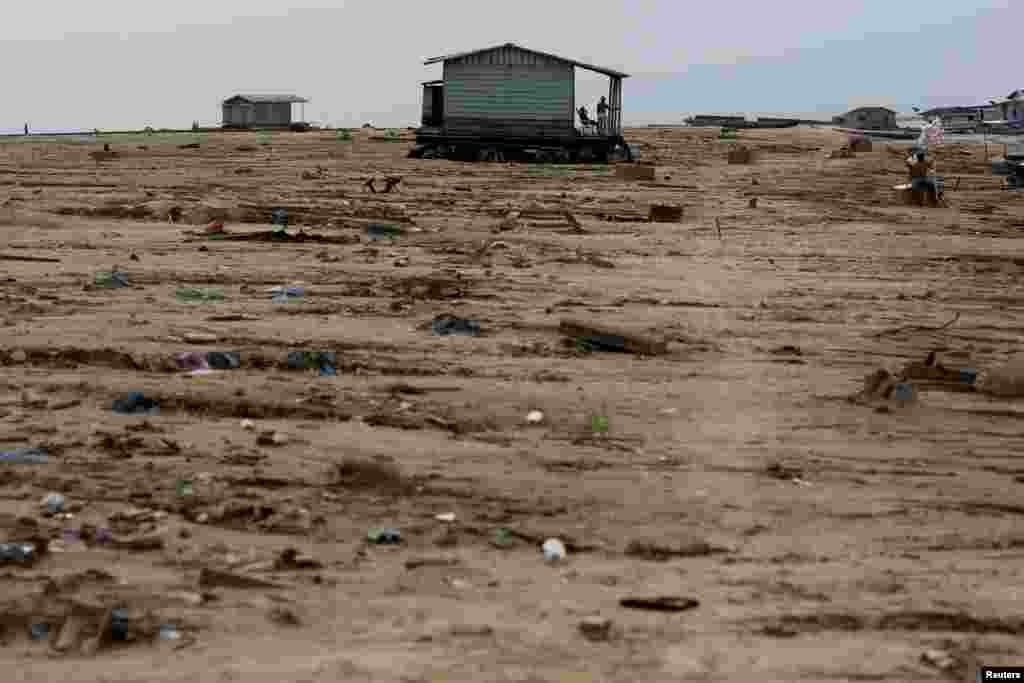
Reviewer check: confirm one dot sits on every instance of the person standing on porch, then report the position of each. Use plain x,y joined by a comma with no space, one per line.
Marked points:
602,116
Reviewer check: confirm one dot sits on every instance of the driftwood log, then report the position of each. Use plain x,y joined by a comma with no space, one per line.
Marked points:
605,337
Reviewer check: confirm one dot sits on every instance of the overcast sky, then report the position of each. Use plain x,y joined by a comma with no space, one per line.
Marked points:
127,64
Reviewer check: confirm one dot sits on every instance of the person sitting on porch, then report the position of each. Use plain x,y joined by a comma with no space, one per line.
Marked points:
585,119
602,116
920,169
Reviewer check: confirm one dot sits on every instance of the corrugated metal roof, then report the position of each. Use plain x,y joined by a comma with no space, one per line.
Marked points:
268,99
853,111
582,65
938,111
1012,97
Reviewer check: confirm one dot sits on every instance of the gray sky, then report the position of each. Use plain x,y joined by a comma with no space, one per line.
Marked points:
120,64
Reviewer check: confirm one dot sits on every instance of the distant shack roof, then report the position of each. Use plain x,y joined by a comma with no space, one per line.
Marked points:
267,99
857,109
1012,97
939,111
589,67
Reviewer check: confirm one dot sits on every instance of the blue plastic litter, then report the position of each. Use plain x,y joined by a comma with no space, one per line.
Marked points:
285,294
25,456
326,362
136,404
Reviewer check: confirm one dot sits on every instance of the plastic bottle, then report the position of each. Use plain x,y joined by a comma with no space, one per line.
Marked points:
554,550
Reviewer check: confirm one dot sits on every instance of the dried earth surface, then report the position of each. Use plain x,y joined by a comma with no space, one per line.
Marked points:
822,539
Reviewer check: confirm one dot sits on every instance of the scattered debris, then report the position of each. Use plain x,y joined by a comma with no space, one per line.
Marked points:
917,328
36,259
200,337
325,362
596,629
389,182
939,659
606,338
136,404
291,558
272,438
509,222
191,294
554,550
18,553
380,231
25,456
445,325
53,503
664,213
661,552
1006,380
384,536
418,562
285,616
111,280
282,295
660,604
318,174
503,538
213,578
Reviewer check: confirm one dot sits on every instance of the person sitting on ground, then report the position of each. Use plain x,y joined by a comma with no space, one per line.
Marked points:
920,169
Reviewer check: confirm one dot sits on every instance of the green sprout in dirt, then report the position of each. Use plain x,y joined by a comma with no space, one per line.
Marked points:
344,135
264,138
391,134
599,424
584,346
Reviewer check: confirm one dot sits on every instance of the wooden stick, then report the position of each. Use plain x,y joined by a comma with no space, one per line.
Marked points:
39,259
612,337
918,328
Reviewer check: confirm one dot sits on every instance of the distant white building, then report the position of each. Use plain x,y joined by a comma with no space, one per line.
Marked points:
1011,108
966,119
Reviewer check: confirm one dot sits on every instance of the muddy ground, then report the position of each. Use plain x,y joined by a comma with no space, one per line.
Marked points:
823,539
